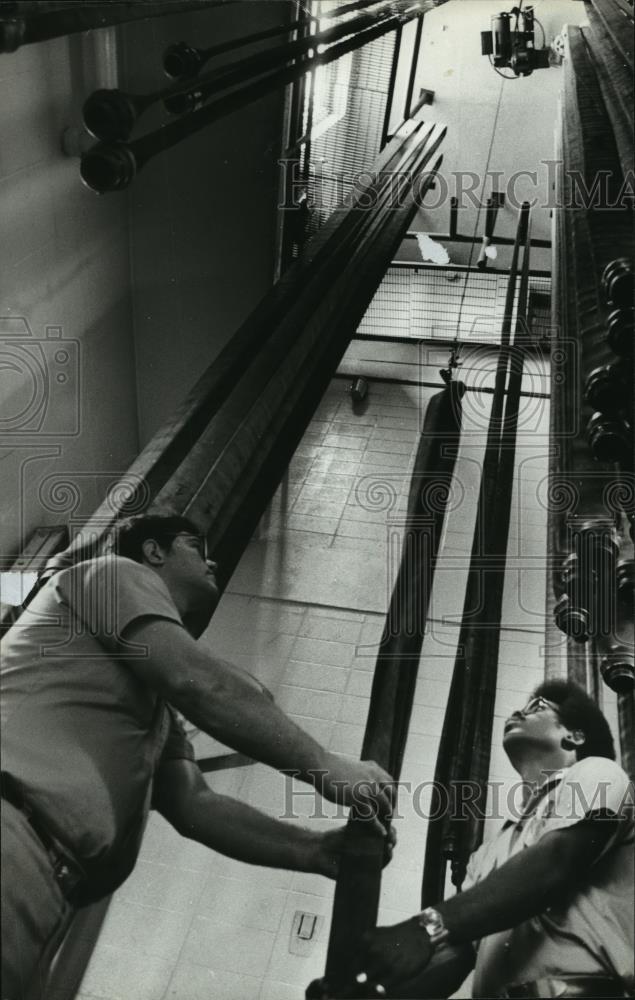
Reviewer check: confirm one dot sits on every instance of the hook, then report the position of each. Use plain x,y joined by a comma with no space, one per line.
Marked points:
447,373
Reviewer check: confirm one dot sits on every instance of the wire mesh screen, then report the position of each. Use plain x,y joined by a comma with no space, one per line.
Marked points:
426,303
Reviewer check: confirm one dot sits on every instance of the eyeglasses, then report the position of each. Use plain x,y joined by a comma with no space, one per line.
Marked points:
200,541
538,704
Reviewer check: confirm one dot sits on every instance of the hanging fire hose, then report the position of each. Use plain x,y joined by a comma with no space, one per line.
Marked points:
358,884
464,752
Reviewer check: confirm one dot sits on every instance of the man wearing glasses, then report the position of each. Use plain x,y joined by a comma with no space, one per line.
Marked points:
92,673
547,909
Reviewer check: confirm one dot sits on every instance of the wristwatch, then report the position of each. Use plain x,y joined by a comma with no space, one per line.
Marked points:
431,921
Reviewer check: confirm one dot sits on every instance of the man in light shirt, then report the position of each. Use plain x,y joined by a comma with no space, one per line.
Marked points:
94,673
547,907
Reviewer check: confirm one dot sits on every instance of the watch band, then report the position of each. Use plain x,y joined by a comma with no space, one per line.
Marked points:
431,921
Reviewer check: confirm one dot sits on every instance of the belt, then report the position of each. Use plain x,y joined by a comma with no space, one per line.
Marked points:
567,986
67,872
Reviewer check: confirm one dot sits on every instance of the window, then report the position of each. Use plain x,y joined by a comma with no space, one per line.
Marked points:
330,94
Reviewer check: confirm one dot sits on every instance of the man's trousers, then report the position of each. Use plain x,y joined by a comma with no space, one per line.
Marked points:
35,914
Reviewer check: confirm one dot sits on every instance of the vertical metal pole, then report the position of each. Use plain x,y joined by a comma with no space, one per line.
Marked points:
296,114
454,213
391,86
414,67
310,105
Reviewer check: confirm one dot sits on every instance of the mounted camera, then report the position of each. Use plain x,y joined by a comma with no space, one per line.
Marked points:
510,43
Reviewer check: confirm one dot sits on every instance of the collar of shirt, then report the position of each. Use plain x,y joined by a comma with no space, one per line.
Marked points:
535,797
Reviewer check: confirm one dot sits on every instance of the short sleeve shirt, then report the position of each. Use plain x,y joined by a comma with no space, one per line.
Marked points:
591,931
81,734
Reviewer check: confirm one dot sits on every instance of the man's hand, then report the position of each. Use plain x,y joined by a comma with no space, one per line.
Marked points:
329,848
395,954
361,784
235,829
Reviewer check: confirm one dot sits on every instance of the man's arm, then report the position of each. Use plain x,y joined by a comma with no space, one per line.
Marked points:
239,831
218,699
530,882
445,973
525,886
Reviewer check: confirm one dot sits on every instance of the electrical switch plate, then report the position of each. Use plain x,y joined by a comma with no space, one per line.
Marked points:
305,931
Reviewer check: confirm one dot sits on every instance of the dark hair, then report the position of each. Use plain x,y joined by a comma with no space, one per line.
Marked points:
578,710
129,535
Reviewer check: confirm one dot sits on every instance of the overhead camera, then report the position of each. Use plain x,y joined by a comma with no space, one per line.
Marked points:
511,44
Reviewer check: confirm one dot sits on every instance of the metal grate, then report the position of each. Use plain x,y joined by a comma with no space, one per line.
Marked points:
425,303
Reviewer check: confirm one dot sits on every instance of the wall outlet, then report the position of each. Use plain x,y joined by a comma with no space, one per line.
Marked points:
305,931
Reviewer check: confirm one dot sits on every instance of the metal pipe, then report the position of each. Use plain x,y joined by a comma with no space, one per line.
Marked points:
510,296
298,97
490,217
306,154
347,8
391,87
110,115
418,265
454,214
296,124
420,104
112,167
304,95
413,68
182,61
503,241
423,382
34,24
